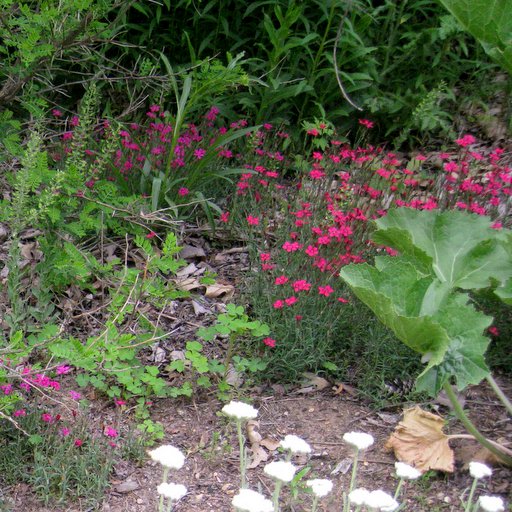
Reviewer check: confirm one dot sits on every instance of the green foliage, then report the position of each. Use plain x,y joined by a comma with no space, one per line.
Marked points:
417,294
57,470
110,359
490,22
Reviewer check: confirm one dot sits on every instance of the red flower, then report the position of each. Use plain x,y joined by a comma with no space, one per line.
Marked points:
253,221
366,123
278,304
265,256
78,442
183,191
290,301
224,217
281,280
270,342
151,234
325,290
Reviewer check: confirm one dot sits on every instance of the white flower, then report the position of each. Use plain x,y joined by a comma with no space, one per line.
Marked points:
405,471
479,470
381,500
252,501
172,491
240,410
280,470
295,444
320,487
491,503
358,497
359,440
169,456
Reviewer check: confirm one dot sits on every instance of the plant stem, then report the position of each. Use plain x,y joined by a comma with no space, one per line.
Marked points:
242,453
346,505
467,508
315,503
398,488
169,507
470,427
503,398
275,498
164,480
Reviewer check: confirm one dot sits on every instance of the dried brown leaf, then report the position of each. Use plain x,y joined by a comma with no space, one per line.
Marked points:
419,441
220,290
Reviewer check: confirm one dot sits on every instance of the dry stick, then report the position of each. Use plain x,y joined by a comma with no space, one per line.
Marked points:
336,69
503,398
14,422
473,438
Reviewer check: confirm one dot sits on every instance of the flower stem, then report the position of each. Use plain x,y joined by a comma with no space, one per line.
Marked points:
346,504
504,400
315,504
470,427
164,480
169,507
277,492
242,454
398,488
471,494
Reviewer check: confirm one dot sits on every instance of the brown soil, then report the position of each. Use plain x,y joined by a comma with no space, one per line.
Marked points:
211,469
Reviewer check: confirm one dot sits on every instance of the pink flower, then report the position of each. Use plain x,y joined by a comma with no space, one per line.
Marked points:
278,304
199,153
224,217
325,290
63,369
19,412
301,286
314,132
75,395
183,191
316,174
56,113
269,342
265,256
47,418
465,141
311,250
119,402
110,432
253,221
290,301
75,121
151,234
281,280
366,123
64,432
78,442
494,330
291,246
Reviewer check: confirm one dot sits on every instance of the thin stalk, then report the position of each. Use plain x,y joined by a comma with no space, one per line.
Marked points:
398,488
470,427
275,497
169,507
467,508
315,504
346,506
242,453
499,392
164,480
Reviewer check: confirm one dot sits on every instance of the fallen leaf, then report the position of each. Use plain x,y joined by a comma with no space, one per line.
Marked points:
270,444
127,486
343,466
419,441
252,434
259,455
191,251
314,383
188,284
186,271
218,290
198,309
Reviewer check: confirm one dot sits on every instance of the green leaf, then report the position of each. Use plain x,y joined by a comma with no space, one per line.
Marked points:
489,21
504,292
462,249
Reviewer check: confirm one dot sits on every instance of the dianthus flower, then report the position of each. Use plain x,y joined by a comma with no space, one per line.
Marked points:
252,221
301,285
281,280
325,290
270,342
380,500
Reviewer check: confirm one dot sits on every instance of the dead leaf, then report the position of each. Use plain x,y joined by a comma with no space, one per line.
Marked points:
343,466
191,251
220,290
270,444
419,441
188,284
340,387
259,455
186,271
314,383
198,309
252,434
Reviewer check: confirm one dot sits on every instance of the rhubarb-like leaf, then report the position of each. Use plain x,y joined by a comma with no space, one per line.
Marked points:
464,251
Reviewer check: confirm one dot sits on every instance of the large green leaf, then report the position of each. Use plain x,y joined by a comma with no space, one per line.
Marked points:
460,248
489,21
